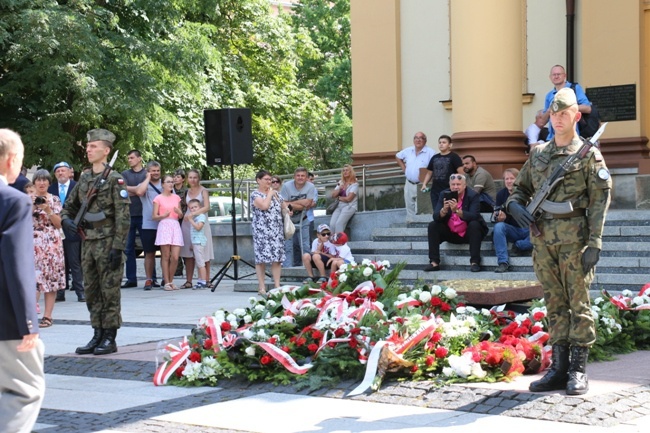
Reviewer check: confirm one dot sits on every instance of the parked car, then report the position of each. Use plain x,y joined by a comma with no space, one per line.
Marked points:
220,209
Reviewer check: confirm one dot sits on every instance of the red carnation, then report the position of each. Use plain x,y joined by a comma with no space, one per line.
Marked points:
285,349
207,344
301,341
441,352
430,360
316,334
535,329
539,316
225,326
273,340
358,301
333,284
379,291
312,347
195,357
414,368
519,332
179,371
332,344
437,336
339,332
266,359
436,301
355,331
445,307
400,320
353,343
293,339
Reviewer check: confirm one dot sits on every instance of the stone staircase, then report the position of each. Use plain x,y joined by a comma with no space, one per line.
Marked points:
624,262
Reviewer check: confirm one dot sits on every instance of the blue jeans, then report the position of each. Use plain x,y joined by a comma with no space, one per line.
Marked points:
297,245
504,233
129,251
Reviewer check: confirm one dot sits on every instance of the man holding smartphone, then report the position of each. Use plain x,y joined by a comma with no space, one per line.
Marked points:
457,219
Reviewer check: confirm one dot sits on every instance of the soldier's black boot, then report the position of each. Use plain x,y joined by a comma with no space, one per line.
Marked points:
557,376
94,342
107,345
578,383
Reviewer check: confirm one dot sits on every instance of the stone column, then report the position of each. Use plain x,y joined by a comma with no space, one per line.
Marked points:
487,43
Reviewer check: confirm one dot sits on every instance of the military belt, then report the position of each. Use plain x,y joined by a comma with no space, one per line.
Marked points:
575,213
98,224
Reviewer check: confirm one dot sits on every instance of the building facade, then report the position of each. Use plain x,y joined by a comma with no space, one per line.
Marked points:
479,71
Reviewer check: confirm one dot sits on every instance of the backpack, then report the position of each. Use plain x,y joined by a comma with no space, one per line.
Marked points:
589,123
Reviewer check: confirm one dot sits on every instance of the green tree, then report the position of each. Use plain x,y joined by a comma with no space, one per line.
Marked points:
146,69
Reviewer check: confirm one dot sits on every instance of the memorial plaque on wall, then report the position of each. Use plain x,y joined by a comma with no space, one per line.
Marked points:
615,103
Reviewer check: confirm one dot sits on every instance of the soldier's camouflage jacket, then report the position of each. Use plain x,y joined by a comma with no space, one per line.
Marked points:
586,185
112,200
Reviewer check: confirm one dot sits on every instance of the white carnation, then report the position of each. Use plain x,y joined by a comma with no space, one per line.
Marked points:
435,290
425,297
250,351
343,278
367,272
450,293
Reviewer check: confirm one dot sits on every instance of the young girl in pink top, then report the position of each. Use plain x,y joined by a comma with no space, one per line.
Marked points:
166,209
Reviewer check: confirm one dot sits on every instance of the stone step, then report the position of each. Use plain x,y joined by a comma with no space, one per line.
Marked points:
640,233
422,247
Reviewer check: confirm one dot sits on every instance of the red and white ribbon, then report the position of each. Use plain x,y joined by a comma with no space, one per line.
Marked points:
284,358
179,354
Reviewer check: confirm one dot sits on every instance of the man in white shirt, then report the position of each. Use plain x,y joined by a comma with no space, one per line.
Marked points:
410,161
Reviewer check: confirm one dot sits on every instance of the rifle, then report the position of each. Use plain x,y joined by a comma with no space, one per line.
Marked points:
540,203
92,195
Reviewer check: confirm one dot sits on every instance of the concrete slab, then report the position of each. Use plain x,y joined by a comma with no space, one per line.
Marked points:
286,413
107,395
64,339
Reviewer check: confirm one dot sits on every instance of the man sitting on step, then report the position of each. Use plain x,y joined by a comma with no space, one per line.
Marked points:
506,229
457,219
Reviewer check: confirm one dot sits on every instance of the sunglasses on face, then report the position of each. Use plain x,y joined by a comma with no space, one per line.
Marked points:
275,181
456,177
325,234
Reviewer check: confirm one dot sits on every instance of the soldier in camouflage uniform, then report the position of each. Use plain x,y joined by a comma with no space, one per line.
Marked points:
106,225
569,247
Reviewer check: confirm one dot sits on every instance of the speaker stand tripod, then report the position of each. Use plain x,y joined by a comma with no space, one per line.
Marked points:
235,258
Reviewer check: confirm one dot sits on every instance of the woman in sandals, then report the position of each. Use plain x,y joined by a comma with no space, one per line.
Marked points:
198,192
48,244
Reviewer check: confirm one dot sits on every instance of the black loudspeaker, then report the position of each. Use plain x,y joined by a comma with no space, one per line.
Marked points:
228,136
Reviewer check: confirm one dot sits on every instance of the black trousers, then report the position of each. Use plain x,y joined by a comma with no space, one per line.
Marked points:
439,232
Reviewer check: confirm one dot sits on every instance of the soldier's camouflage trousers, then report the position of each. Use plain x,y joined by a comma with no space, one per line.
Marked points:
102,284
566,293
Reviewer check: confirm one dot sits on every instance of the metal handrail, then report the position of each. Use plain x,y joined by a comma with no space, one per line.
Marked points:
323,180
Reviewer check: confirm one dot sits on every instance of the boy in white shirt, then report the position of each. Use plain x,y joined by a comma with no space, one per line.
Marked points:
198,241
322,251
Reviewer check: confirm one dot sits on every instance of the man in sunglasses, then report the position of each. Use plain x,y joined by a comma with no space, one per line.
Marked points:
457,219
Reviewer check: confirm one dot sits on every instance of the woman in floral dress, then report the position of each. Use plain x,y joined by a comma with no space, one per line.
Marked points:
268,230
48,244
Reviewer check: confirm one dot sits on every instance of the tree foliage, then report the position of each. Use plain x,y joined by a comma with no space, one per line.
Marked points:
146,70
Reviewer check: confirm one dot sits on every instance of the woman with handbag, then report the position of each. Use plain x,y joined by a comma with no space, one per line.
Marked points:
268,229
345,196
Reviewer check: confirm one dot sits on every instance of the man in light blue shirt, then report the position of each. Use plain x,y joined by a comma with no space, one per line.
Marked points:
301,195
558,78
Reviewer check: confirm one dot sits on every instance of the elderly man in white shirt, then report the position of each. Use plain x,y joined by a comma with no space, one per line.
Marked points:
410,161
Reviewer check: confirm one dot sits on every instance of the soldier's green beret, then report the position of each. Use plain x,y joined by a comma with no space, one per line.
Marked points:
564,98
100,135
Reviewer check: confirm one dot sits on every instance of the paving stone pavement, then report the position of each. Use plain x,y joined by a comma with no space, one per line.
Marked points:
611,404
